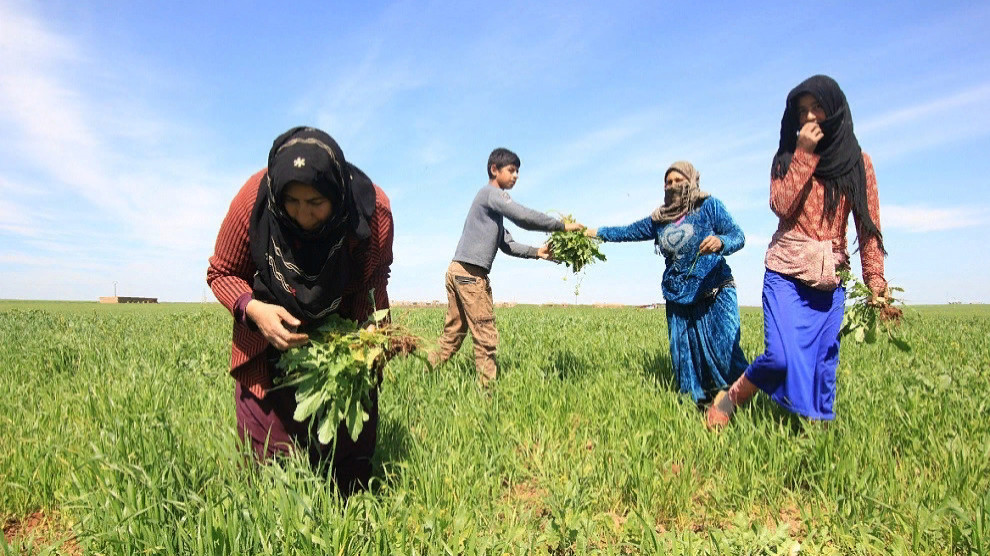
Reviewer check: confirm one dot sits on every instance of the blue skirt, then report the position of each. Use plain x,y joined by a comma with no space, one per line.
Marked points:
801,326
704,344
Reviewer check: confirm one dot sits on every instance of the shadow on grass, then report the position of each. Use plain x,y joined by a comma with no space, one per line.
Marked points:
564,365
763,410
658,368
394,443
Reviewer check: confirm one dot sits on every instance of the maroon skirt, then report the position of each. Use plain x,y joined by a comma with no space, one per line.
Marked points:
272,431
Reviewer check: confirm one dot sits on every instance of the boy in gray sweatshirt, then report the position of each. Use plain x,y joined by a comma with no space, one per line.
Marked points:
469,292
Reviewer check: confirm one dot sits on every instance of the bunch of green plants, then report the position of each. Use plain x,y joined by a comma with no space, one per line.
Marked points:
335,373
864,319
575,249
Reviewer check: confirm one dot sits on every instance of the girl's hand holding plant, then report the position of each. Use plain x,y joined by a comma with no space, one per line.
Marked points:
869,316
883,303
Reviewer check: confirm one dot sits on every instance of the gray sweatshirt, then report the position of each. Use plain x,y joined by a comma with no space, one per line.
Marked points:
484,230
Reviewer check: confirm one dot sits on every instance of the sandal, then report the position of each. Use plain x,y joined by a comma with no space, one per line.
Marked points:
720,412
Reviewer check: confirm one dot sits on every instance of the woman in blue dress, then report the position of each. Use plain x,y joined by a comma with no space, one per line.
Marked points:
694,232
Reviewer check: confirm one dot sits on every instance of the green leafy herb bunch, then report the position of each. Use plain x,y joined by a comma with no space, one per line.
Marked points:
336,371
865,320
574,249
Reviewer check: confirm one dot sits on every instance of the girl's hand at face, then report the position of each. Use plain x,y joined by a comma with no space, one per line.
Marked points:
809,136
711,244
271,321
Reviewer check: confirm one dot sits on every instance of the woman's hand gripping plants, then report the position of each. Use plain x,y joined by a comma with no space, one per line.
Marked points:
336,371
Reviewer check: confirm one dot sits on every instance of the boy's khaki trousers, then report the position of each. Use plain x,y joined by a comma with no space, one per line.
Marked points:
469,307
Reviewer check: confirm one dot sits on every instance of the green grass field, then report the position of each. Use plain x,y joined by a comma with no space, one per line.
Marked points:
118,436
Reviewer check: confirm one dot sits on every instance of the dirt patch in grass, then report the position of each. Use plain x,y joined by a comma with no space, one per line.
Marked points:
790,515
529,496
618,521
32,532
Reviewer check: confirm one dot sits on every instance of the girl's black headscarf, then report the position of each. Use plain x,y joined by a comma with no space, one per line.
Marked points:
840,167
306,271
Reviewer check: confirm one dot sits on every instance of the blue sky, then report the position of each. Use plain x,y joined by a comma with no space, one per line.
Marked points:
127,127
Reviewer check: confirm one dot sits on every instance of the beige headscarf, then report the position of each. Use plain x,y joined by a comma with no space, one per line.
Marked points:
679,199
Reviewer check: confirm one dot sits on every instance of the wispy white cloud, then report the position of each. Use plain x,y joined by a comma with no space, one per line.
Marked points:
590,149
28,260
975,97
756,243
928,125
46,112
721,151
16,219
359,95
919,218
108,188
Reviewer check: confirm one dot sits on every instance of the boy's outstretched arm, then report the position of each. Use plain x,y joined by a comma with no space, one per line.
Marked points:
510,247
525,218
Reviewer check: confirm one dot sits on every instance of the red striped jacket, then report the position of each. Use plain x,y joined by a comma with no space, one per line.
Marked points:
231,274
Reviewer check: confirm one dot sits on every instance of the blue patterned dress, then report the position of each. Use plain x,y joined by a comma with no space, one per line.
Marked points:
702,310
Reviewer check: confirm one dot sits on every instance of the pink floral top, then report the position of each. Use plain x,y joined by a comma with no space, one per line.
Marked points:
798,199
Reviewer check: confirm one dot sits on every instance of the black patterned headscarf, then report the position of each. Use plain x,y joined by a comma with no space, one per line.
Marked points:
840,166
306,271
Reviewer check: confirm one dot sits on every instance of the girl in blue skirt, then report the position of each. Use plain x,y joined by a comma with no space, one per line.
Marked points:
818,177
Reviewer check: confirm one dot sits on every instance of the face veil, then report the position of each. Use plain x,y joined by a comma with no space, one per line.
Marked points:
678,199
307,271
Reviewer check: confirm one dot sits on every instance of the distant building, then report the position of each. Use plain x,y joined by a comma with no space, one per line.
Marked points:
116,299
433,303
